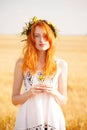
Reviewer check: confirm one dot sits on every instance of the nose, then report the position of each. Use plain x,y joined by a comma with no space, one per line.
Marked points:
42,38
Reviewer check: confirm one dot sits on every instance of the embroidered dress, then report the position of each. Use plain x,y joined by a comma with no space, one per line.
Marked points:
41,112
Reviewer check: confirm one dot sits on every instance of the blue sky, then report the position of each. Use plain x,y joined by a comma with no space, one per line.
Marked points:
70,16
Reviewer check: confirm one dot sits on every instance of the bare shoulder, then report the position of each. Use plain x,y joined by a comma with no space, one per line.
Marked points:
18,65
63,63
19,62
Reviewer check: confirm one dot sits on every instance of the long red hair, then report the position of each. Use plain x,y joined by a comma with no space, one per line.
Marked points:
31,55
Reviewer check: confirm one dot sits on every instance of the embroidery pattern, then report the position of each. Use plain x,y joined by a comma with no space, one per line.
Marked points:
28,79
42,127
40,77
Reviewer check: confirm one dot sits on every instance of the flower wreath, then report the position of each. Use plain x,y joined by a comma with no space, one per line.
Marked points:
33,20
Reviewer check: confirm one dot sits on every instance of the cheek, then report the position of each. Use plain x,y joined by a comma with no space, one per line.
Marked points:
48,45
36,45
36,42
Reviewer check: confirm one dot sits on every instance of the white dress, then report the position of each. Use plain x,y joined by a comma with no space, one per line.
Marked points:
41,112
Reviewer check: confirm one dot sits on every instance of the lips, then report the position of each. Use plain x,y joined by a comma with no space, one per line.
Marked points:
42,44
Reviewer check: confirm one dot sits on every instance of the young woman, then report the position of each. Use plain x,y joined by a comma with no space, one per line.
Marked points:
45,80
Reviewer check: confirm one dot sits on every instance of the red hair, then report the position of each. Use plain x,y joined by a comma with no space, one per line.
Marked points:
30,52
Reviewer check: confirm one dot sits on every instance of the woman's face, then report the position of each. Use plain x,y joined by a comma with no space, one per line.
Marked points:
41,40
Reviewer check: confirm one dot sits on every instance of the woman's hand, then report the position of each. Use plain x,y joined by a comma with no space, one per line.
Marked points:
36,89
47,89
42,88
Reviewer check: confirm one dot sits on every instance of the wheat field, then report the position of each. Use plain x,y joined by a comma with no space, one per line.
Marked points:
71,48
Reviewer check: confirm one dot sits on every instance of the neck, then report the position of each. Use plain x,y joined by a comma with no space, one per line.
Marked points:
41,60
41,57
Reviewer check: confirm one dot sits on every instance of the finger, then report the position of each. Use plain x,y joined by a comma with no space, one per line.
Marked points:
36,90
48,89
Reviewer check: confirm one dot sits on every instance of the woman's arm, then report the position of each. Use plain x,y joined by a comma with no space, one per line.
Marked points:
17,97
62,82
17,84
